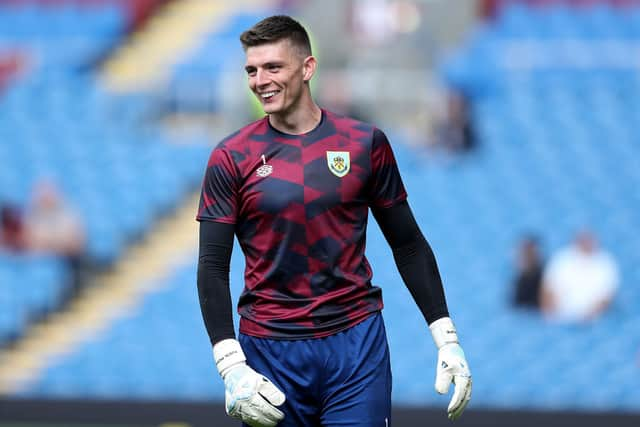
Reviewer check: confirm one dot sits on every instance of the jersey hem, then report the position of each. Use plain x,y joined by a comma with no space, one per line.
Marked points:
298,337
392,203
210,219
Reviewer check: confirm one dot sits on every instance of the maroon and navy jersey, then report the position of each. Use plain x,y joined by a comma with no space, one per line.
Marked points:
300,204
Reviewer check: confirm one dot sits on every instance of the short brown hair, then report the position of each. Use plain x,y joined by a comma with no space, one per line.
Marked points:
274,29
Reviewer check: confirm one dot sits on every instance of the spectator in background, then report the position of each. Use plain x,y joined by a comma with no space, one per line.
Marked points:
12,234
528,279
337,96
580,281
53,226
455,132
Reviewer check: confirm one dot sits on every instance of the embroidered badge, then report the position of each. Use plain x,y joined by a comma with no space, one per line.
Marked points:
338,162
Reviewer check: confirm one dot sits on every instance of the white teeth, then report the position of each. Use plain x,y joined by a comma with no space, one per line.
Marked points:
268,94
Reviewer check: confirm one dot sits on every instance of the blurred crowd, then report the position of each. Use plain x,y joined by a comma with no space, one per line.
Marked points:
48,224
577,284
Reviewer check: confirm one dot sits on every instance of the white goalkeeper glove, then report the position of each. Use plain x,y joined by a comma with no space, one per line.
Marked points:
452,366
249,396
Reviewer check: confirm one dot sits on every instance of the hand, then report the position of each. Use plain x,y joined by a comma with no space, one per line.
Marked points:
252,398
452,366
249,396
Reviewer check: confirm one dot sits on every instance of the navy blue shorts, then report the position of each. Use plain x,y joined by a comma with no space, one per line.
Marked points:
341,380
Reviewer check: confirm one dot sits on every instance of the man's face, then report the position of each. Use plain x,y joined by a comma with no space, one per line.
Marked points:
276,73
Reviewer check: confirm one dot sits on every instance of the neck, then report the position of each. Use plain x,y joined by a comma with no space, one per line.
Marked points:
299,120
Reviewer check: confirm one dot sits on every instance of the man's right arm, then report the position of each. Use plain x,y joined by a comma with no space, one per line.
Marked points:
216,244
249,396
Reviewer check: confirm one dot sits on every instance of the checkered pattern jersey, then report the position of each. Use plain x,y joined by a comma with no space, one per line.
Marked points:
300,216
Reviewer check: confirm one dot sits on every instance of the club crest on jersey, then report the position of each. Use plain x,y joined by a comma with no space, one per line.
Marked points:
338,162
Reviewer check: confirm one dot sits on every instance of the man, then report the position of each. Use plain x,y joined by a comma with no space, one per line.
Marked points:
528,279
295,188
580,281
53,226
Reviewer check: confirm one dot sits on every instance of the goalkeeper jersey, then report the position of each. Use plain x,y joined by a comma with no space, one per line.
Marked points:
299,204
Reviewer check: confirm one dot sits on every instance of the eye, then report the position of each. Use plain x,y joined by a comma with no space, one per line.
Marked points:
251,72
274,68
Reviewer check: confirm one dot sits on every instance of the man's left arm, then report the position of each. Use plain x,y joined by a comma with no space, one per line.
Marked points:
419,271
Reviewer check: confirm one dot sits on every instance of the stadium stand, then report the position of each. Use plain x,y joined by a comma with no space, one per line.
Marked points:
145,61
558,149
204,64
170,322
112,163
22,304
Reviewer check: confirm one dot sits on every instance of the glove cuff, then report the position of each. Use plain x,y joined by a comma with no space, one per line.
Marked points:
443,332
227,353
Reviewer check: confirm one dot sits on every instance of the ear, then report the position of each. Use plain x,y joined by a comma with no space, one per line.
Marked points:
309,68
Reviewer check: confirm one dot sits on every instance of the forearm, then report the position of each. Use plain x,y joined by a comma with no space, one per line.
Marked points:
414,258
547,300
419,271
599,308
216,242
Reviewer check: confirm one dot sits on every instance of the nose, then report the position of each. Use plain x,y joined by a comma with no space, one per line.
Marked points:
261,78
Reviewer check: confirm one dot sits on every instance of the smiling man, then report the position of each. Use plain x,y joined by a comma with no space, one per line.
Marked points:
295,188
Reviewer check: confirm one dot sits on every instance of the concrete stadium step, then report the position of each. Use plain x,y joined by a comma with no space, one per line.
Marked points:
144,62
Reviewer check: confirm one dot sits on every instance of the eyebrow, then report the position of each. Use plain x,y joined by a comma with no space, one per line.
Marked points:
265,65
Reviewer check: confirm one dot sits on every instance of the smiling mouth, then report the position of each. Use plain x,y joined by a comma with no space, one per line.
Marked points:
269,95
